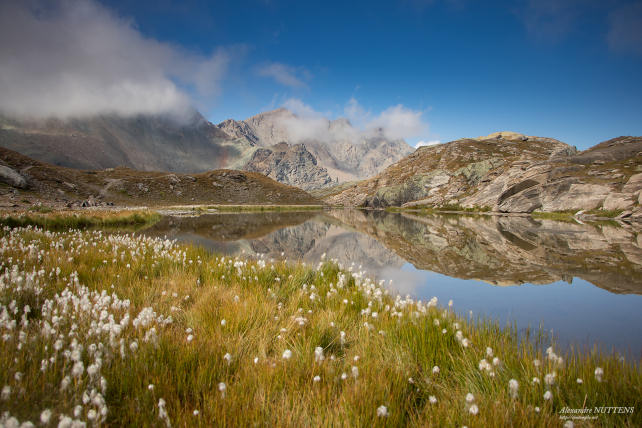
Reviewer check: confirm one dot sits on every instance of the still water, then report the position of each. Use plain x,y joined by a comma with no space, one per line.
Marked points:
581,283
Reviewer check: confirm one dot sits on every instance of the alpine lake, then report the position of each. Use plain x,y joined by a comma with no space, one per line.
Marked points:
577,285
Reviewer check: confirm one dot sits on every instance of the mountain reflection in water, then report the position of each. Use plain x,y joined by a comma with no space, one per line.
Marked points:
458,257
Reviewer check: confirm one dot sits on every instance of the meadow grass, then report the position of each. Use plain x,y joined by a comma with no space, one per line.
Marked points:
123,330
64,220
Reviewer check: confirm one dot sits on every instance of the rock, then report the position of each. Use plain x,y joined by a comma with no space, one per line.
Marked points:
633,185
12,178
526,201
617,201
290,164
566,196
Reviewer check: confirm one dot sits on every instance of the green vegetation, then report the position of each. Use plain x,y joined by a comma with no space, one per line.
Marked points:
262,208
604,213
125,330
567,216
428,209
70,219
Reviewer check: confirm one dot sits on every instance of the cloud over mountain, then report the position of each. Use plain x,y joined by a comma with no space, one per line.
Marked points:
395,122
77,58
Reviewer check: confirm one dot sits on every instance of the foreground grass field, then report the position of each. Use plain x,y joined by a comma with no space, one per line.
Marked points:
122,330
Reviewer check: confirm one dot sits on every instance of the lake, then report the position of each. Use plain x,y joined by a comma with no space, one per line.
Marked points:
581,283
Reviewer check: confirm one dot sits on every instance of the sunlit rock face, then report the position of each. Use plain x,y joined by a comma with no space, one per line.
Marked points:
509,172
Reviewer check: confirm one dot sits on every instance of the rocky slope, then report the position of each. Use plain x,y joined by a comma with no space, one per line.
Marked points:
346,153
289,164
25,182
146,143
508,172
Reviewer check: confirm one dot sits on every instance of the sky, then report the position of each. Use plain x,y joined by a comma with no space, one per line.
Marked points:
431,70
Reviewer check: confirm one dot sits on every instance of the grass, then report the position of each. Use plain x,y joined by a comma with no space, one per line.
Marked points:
69,219
267,308
567,216
428,209
263,208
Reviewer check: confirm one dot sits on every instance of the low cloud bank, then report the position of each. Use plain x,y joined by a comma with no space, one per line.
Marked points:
396,122
77,58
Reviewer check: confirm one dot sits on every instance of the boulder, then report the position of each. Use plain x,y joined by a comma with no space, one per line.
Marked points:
526,201
12,178
566,195
617,201
633,185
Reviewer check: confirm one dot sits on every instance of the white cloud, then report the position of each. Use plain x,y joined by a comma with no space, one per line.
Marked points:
284,74
306,123
67,58
427,143
399,122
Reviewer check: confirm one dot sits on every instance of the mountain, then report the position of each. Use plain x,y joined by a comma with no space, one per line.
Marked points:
346,153
508,172
289,164
25,182
143,142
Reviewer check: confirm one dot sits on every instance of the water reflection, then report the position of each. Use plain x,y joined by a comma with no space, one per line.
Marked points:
472,260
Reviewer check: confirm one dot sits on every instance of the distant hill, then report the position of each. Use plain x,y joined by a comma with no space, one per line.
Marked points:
507,172
25,182
146,143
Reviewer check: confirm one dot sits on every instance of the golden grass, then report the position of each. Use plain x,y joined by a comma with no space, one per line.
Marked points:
269,308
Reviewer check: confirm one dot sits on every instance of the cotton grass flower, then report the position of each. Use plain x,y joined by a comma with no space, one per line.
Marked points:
355,372
432,399
470,398
318,354
382,411
548,395
287,354
435,370
316,379
222,388
473,410
579,381
228,357
599,373
513,387
45,416
549,379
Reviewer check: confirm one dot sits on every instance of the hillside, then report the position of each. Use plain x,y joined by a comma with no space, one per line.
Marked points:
25,182
507,172
143,142
344,152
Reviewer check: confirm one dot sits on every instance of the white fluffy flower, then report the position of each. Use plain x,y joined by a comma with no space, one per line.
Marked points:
432,399
435,370
598,374
45,416
548,395
513,386
473,409
317,379
287,354
382,411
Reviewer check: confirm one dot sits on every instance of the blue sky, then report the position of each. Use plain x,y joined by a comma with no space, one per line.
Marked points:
569,70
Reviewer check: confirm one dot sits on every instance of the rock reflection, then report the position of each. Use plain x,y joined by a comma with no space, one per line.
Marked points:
509,250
